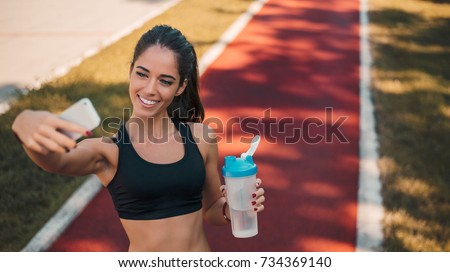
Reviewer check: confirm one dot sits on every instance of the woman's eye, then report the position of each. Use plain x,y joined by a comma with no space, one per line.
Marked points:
141,74
166,82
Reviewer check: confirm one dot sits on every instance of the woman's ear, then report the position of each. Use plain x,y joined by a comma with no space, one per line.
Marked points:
181,88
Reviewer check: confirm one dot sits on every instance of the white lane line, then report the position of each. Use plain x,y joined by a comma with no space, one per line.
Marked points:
81,198
229,35
65,215
370,203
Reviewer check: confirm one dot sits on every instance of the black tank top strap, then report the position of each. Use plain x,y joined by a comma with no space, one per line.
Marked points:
186,134
119,134
113,139
181,127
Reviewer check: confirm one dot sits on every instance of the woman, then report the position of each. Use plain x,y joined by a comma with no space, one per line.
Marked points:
161,166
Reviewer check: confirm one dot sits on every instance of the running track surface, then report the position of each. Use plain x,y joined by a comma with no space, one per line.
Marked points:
291,62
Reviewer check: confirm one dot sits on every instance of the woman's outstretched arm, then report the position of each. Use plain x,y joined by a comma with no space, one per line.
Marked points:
53,151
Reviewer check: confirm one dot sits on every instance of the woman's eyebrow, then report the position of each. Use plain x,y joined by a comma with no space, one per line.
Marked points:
162,75
143,68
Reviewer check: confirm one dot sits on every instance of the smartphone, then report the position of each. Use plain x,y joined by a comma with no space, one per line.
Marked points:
82,113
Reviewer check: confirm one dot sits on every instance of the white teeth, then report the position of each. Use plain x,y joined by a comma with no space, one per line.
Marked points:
147,102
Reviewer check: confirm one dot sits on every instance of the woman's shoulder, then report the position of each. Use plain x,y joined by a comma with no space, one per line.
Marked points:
206,140
203,133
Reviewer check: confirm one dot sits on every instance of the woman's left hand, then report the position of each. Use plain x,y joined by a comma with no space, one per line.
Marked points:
257,197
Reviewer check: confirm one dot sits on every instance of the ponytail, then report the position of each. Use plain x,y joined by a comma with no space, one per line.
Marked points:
188,107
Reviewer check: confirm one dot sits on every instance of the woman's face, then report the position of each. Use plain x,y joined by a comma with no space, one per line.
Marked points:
154,82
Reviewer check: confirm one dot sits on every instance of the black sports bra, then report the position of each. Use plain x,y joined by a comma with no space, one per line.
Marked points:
142,190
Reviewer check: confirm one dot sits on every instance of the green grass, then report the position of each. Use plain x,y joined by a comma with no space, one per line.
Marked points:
411,86
31,196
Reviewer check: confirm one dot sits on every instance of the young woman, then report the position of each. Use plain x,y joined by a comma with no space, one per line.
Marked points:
161,166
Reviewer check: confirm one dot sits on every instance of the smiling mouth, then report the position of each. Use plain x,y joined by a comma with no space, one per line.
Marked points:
147,102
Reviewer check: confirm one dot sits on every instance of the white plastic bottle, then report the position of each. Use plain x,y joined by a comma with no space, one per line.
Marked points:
240,182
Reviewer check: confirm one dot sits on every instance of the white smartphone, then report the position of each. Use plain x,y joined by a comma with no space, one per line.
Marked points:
82,113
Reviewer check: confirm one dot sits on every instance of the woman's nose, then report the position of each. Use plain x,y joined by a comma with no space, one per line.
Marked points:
150,88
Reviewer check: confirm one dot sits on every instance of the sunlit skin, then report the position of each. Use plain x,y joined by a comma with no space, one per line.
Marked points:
154,82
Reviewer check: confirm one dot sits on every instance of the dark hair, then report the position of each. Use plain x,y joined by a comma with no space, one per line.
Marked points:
186,107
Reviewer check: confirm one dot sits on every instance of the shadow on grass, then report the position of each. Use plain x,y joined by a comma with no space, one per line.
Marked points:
435,34
392,17
426,33
414,128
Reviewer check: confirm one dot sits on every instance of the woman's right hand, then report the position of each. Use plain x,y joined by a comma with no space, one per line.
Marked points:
40,131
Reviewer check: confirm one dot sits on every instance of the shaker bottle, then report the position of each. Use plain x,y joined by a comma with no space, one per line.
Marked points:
240,183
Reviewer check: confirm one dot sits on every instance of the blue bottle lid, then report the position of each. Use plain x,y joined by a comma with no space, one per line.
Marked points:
238,167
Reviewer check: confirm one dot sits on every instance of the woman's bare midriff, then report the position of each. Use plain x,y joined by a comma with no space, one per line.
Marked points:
179,233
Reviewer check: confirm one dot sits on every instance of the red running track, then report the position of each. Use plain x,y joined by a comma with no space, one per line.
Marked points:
293,60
